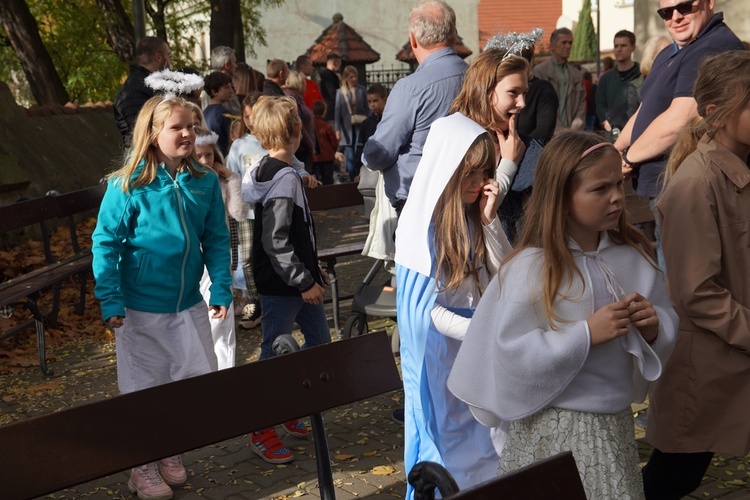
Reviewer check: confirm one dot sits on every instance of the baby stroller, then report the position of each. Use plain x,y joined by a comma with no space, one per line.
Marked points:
370,300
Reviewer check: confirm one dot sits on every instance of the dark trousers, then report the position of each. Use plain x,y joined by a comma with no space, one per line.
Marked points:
671,476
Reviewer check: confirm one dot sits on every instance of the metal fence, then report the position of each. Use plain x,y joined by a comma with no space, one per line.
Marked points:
387,76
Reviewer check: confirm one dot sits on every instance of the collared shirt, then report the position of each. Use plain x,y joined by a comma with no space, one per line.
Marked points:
563,81
414,103
673,75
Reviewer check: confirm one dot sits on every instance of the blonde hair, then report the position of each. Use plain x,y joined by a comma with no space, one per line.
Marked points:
653,46
296,81
349,70
275,121
722,88
455,253
485,72
202,132
148,126
198,112
558,174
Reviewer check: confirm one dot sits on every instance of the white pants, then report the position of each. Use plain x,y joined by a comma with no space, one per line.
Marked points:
158,348
222,330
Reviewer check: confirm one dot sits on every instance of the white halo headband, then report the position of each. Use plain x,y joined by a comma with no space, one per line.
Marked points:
514,43
206,140
173,83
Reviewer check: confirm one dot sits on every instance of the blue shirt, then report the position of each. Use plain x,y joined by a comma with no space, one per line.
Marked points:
673,75
414,103
218,121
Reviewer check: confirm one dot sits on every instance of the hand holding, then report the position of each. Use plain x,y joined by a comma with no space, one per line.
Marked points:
219,312
310,181
609,322
642,315
511,146
315,295
115,322
489,201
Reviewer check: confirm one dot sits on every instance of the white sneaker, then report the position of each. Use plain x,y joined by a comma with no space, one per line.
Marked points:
250,316
148,483
173,471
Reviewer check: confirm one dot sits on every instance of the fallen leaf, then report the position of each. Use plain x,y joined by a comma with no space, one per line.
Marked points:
383,470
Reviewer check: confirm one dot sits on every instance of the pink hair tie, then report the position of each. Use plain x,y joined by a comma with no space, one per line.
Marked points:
594,148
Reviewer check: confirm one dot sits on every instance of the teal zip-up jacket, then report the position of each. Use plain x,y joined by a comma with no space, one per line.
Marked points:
150,245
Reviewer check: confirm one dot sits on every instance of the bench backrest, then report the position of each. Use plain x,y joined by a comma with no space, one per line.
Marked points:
334,196
51,452
554,478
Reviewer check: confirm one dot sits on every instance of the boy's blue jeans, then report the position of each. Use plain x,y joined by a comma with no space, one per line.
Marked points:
278,315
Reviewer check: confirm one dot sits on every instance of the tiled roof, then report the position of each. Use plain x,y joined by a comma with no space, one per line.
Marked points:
406,55
343,40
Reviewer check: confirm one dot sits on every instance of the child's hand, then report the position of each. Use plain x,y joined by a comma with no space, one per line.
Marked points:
315,295
222,171
324,275
489,201
219,312
310,181
642,315
511,146
609,322
115,322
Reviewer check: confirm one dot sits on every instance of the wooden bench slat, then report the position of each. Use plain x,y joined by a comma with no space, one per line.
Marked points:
51,452
340,251
23,286
555,478
334,196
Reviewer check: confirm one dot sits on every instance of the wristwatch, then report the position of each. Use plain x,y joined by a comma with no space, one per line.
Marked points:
625,158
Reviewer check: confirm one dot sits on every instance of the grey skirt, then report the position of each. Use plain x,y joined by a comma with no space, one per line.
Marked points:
603,446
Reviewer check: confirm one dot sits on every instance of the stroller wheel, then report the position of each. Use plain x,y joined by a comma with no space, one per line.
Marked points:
355,325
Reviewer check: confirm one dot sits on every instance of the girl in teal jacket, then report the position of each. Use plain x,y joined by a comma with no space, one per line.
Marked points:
161,220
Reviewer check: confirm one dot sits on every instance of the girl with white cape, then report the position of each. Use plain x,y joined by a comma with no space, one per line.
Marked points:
449,243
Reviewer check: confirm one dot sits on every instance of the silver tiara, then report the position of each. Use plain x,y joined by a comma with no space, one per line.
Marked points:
207,140
173,83
512,44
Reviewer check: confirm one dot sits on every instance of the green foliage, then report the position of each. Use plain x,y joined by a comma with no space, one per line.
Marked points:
585,40
76,38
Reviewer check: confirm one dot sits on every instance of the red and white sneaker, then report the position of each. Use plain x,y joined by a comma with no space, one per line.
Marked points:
172,471
296,428
267,445
148,483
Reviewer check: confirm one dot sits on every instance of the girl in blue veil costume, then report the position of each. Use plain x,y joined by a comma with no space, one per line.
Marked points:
449,244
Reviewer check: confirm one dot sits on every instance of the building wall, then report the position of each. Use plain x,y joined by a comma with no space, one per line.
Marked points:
292,28
499,16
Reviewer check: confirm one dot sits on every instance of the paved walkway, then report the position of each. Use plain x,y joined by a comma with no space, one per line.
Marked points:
366,445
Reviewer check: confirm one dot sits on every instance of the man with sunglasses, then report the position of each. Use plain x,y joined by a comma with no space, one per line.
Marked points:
667,94
674,469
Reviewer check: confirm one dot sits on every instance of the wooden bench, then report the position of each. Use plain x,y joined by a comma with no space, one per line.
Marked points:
45,454
554,478
24,291
328,198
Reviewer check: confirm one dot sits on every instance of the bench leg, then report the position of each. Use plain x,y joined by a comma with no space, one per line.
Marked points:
83,277
323,459
39,319
42,346
331,271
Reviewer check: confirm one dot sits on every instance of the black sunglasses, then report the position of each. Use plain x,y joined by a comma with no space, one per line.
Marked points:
684,8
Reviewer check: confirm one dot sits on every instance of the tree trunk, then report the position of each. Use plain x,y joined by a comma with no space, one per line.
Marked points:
239,35
120,32
157,17
224,16
23,33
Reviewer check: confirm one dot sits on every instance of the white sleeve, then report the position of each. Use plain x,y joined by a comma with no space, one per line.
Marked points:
506,171
299,167
497,244
448,323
